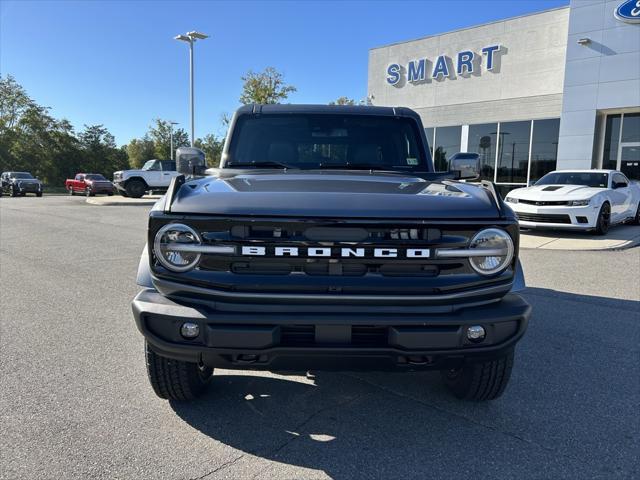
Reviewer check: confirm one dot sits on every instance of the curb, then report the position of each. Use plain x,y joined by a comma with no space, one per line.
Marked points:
621,238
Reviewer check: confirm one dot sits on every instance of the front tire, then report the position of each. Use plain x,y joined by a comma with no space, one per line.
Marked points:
71,192
39,194
135,188
480,381
604,219
174,379
14,192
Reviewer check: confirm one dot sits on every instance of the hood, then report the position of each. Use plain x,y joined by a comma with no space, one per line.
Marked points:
555,192
336,194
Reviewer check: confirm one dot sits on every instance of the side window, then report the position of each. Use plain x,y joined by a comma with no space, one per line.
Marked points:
168,166
79,177
621,180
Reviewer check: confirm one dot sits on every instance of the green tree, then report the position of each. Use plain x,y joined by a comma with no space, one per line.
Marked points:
343,101
265,87
99,151
212,148
160,134
139,151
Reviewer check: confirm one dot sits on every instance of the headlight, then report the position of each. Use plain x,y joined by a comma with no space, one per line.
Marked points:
500,246
578,203
167,247
511,200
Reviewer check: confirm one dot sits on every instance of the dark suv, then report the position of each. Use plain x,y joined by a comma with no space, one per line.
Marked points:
20,183
327,241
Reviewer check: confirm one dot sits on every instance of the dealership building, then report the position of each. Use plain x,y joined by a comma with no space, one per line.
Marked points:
558,89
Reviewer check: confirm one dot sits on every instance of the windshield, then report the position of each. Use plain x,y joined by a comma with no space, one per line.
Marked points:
326,141
21,175
588,179
94,177
151,165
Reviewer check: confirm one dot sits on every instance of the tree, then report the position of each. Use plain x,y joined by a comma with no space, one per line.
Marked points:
265,87
140,150
343,101
212,148
99,150
160,134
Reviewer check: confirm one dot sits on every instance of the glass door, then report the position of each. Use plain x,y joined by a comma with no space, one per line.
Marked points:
629,160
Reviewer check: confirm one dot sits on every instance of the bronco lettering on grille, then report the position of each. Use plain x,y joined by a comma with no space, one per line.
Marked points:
330,252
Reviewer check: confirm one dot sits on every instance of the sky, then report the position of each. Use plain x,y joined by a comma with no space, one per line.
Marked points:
116,63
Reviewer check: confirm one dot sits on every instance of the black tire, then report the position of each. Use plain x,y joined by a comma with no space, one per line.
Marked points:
71,192
480,381
14,192
174,379
39,194
123,193
604,219
110,194
87,192
135,188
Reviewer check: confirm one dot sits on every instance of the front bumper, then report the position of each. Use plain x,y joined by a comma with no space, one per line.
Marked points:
327,341
562,217
29,188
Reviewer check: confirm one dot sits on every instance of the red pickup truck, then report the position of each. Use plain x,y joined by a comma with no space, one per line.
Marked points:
88,184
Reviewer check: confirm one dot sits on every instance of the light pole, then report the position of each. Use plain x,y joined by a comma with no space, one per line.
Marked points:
171,124
190,38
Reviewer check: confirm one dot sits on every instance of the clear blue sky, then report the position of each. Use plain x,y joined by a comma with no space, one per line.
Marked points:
116,63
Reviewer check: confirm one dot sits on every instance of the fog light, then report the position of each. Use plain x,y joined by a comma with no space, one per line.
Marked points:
190,330
476,333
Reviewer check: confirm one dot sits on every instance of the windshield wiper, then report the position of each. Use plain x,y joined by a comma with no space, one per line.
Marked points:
266,163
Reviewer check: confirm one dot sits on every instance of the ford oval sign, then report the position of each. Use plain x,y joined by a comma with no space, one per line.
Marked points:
628,11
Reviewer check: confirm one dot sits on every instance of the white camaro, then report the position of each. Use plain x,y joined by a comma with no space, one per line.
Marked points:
577,199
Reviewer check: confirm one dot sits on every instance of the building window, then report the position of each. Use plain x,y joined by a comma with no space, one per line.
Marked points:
482,140
631,128
611,142
446,143
544,147
513,152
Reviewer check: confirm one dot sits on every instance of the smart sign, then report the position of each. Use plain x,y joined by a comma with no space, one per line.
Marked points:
628,11
421,70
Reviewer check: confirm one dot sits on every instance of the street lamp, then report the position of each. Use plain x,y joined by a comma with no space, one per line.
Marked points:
191,38
171,124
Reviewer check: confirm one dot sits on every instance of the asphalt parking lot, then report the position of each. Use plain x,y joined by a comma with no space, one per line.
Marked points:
75,401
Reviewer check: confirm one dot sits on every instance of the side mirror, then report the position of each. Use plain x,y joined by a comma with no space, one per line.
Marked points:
465,165
190,161
618,185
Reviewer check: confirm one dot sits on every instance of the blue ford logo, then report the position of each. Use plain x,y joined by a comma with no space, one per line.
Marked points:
628,11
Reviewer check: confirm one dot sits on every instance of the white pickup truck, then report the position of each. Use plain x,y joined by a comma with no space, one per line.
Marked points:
155,175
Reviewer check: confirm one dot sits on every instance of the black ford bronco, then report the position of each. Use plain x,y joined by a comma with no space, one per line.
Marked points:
326,241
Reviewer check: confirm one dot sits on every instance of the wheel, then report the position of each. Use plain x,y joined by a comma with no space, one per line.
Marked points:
39,194
480,381
71,192
110,194
14,191
87,192
135,188
174,379
123,193
604,219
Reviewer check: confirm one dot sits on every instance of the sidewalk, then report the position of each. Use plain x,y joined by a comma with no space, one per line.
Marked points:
618,238
118,200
